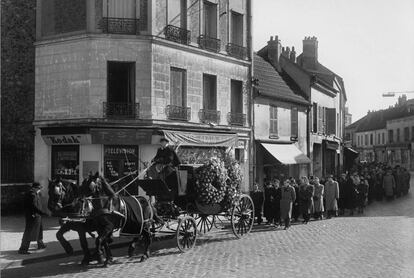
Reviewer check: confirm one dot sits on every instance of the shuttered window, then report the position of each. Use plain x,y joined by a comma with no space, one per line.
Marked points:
315,117
273,122
209,92
294,122
178,87
210,19
330,119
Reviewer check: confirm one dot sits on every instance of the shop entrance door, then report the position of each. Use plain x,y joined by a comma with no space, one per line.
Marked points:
65,162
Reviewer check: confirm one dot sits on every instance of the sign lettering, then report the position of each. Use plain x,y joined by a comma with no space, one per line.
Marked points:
70,139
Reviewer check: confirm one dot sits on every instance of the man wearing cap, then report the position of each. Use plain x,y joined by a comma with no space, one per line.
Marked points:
33,215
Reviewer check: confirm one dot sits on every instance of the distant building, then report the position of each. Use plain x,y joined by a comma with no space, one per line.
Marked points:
386,135
280,121
325,91
348,117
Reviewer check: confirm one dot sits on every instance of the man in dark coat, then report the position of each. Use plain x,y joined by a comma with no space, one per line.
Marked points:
166,155
258,198
33,215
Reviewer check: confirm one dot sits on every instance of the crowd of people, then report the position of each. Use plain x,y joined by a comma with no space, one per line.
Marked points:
286,200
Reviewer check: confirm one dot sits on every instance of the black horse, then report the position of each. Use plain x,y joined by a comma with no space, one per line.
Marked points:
126,212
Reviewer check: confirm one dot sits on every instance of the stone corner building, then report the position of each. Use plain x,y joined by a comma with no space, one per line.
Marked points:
112,77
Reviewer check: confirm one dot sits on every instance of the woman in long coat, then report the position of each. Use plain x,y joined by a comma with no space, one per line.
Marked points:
306,199
388,183
331,196
295,206
288,197
318,199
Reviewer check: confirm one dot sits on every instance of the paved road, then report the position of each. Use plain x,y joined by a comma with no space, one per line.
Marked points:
378,244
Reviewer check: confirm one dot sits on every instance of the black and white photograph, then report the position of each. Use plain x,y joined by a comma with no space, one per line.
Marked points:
207,138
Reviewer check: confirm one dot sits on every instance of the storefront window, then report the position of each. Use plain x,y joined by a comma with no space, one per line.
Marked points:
120,161
65,162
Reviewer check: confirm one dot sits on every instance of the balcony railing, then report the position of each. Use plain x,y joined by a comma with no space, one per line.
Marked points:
179,113
121,110
176,34
209,116
238,119
115,25
208,43
236,51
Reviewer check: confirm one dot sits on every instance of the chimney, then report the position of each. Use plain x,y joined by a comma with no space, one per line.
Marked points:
310,53
292,55
274,50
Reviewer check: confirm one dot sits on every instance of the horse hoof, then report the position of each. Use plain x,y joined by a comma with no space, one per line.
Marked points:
143,259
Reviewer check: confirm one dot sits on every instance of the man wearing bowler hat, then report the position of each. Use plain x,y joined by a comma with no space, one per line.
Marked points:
33,215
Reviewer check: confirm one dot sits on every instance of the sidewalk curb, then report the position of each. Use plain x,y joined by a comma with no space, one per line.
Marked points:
51,257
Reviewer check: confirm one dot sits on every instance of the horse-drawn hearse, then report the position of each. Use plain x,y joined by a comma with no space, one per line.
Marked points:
172,207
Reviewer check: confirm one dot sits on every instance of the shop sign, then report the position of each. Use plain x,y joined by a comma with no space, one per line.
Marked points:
200,139
67,139
120,136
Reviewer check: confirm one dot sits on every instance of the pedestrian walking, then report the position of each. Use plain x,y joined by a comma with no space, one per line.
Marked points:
331,196
363,189
288,197
342,197
257,196
276,202
306,198
296,206
318,199
33,216
388,183
406,181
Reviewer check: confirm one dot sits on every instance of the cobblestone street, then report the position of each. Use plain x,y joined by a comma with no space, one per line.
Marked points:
378,244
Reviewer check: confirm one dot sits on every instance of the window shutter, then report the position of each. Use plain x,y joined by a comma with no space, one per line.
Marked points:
330,121
294,122
320,119
315,117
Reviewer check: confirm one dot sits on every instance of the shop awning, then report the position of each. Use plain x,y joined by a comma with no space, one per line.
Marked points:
200,139
287,153
351,150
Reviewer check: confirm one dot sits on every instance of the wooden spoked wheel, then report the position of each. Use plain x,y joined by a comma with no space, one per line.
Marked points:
186,233
205,222
242,216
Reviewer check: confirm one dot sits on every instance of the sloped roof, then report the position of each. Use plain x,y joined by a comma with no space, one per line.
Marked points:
378,119
273,84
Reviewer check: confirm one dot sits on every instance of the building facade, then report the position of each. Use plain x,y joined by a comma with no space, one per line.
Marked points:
280,121
326,92
348,117
113,77
385,136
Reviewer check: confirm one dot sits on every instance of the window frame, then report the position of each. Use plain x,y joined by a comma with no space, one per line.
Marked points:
184,86
207,76
294,124
273,122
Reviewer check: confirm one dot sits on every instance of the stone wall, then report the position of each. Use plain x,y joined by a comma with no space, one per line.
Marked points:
71,77
17,88
195,65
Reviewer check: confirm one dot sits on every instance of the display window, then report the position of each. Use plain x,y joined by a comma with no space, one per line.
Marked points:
65,162
120,161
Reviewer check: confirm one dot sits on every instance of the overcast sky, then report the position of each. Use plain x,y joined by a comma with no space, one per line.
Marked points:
369,43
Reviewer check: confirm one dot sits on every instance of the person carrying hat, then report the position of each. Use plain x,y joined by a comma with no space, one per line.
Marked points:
33,214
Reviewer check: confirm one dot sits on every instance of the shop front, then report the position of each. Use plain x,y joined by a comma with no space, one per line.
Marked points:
331,158
280,161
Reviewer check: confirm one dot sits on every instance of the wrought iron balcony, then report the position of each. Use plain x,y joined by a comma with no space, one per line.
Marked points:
179,113
176,34
121,110
208,43
238,119
115,25
209,116
236,51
